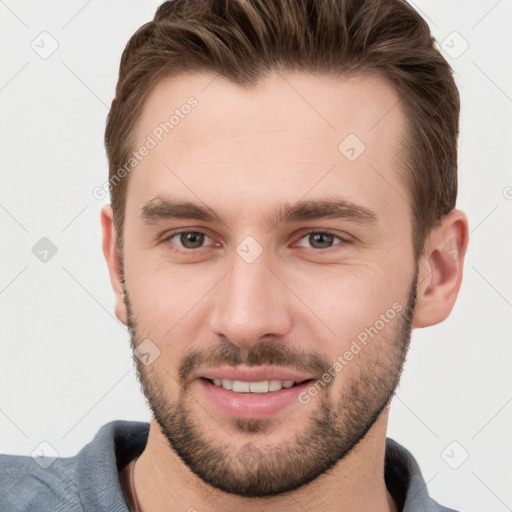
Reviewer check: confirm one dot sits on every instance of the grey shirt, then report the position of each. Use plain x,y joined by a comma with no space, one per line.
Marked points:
90,481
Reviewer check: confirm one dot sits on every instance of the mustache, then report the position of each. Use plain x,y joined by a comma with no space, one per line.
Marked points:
264,353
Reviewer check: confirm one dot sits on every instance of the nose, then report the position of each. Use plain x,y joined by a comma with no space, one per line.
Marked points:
250,303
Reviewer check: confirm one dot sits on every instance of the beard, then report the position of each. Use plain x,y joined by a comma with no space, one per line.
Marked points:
334,427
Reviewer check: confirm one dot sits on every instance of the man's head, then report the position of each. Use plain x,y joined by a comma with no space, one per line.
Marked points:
293,223
244,41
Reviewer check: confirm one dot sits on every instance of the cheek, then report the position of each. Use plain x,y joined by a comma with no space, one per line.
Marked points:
167,303
349,296
359,310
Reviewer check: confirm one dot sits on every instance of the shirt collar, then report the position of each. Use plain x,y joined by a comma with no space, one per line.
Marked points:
118,442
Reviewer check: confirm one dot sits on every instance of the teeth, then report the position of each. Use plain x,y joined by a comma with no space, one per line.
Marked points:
258,387
240,386
275,385
227,384
264,386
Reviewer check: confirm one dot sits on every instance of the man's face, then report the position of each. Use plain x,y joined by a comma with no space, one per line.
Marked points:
263,291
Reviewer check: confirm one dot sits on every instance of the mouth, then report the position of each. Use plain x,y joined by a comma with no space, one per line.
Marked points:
251,399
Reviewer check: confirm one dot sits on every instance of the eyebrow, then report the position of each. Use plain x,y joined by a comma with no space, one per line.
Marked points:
161,208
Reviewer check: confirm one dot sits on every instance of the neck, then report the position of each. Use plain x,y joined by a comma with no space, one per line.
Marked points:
163,482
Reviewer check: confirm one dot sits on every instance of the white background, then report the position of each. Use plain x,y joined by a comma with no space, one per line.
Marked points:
65,367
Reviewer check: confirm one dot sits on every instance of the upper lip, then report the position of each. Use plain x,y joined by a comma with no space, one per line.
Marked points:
254,374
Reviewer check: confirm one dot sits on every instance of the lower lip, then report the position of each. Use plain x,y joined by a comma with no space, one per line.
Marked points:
251,405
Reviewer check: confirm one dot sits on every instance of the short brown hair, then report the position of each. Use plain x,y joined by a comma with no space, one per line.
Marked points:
244,40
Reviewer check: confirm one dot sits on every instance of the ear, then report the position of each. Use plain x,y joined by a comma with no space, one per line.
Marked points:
440,273
114,263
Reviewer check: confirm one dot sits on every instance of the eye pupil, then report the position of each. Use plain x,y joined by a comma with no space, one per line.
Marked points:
191,240
321,238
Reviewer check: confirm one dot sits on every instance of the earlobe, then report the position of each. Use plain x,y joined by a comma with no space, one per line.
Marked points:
441,269
115,268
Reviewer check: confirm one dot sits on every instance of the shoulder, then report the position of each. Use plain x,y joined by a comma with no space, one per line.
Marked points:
87,481
406,483
27,485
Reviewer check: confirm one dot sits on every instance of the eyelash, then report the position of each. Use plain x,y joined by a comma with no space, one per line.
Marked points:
167,240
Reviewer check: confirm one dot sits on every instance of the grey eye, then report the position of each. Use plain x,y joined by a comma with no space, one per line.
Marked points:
190,239
319,240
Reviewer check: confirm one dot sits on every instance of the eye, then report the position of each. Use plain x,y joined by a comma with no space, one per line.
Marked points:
320,239
188,240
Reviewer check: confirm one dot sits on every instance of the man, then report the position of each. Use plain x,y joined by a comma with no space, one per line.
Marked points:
283,185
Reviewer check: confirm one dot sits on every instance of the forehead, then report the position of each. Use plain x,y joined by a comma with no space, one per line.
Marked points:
298,102
292,134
